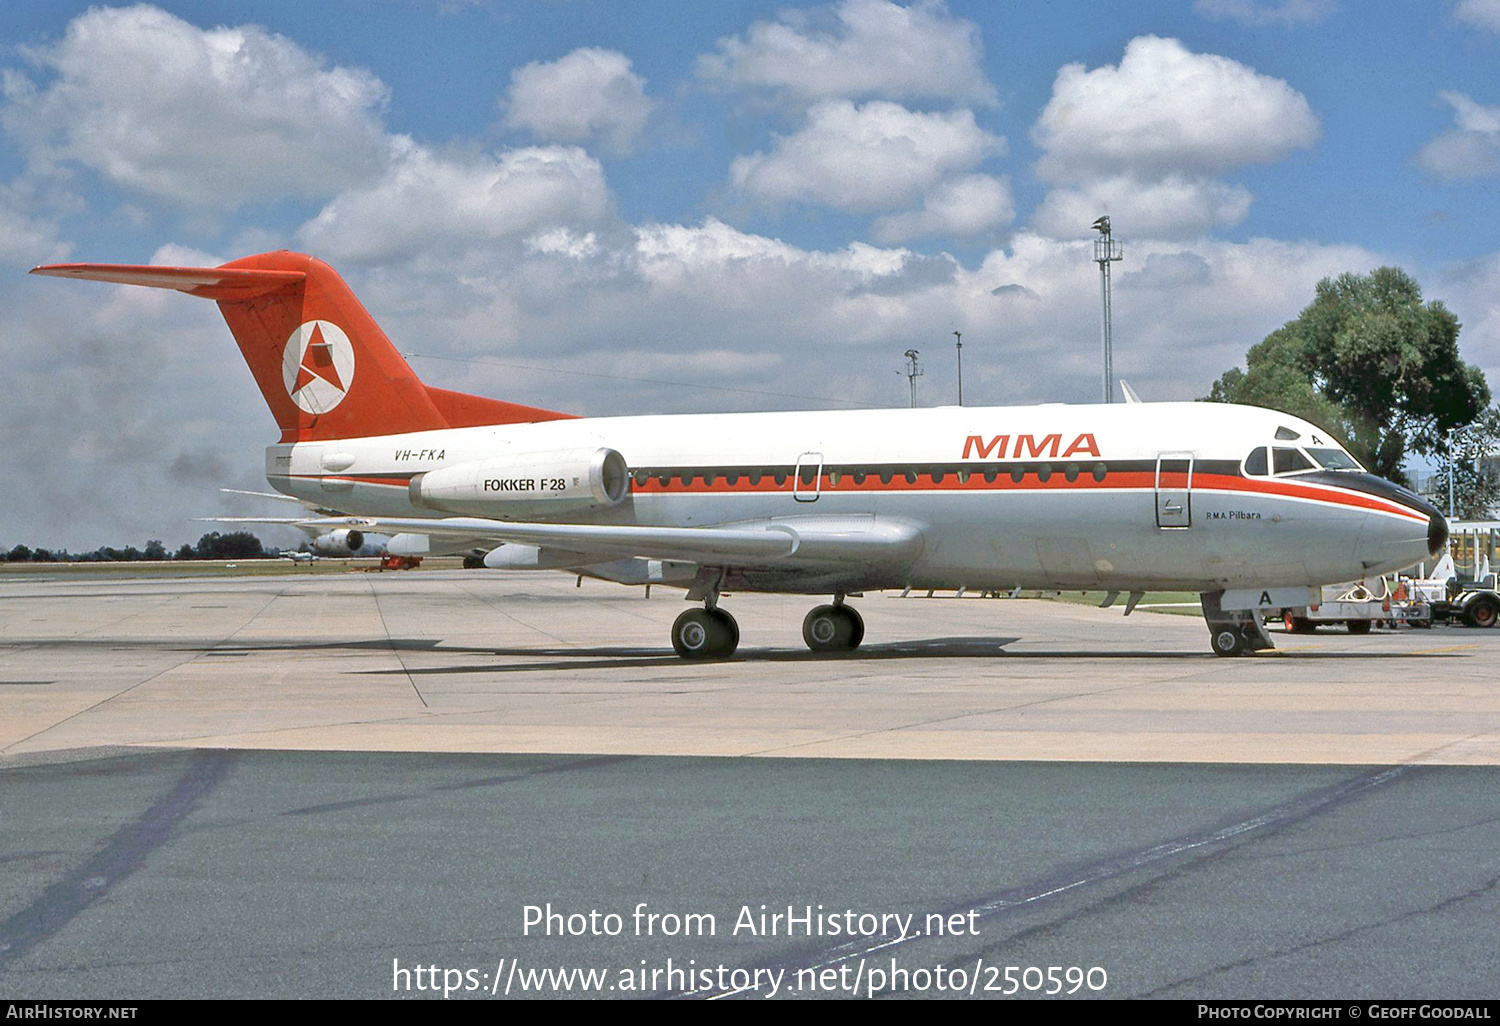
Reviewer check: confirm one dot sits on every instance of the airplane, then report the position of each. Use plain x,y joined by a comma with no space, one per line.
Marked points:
342,541
1252,508
297,557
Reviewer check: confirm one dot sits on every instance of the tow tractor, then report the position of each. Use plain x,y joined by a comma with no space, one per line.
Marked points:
1475,601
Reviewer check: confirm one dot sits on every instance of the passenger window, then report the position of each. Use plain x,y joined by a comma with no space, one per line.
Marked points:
1071,472
1100,472
1044,473
1289,461
1018,474
731,479
859,477
911,477
885,477
1255,463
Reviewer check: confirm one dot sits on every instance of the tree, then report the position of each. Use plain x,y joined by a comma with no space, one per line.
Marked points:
1369,362
1467,465
234,545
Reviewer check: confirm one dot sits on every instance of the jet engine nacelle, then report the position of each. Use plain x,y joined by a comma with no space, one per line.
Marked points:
525,485
339,543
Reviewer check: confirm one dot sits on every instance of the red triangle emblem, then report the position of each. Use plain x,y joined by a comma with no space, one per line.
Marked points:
317,362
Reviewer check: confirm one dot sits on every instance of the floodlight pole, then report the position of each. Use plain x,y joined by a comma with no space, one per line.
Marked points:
913,372
1451,501
1106,251
960,345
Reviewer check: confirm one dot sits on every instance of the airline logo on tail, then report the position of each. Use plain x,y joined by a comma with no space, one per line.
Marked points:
318,366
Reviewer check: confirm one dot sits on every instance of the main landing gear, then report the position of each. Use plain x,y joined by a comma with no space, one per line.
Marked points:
705,634
835,628
711,633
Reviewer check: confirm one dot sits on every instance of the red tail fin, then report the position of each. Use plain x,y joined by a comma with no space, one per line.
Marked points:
322,363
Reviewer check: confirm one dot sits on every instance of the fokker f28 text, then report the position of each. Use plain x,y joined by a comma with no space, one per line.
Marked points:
1249,507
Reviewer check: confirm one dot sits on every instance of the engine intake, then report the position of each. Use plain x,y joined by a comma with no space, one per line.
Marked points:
522,485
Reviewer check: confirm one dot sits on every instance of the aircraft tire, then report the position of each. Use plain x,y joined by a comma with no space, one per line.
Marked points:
705,634
857,625
1227,641
832,629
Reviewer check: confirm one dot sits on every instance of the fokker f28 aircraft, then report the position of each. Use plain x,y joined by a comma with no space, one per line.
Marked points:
1249,507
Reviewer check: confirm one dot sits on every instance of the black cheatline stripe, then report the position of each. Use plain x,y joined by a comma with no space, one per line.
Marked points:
1270,820
123,855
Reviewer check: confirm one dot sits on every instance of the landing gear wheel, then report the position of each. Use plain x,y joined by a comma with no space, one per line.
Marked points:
831,629
1228,641
1297,624
705,634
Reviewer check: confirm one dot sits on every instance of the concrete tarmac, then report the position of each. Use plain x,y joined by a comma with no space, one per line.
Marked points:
481,661
354,786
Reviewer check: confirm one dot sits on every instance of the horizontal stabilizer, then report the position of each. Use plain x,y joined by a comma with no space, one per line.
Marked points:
219,283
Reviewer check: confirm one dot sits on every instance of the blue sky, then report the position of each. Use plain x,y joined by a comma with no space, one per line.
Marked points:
569,203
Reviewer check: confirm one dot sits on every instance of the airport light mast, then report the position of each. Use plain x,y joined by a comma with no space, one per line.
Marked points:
960,345
1106,251
913,372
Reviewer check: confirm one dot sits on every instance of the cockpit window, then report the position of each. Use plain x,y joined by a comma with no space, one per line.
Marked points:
1255,463
1290,461
1286,434
1334,459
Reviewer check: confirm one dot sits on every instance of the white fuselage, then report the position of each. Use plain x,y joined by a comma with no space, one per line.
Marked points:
1127,497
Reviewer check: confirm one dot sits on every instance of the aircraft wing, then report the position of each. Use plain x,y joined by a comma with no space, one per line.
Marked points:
803,539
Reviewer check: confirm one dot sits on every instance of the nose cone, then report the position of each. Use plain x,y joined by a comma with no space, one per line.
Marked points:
1392,541
1404,529
1437,533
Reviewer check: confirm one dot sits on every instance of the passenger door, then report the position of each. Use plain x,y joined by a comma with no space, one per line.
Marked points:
807,478
1174,490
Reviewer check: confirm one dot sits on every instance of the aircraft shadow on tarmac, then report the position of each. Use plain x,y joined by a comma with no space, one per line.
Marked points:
620,657
625,657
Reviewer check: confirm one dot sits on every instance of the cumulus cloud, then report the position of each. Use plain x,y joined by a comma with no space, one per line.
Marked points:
963,206
1471,149
1152,132
1163,109
1483,14
1258,13
200,118
427,201
26,238
1172,207
863,158
856,49
587,96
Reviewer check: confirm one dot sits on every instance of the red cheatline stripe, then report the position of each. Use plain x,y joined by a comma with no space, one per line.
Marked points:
1121,481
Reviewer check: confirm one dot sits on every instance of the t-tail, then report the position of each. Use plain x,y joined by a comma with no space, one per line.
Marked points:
324,366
